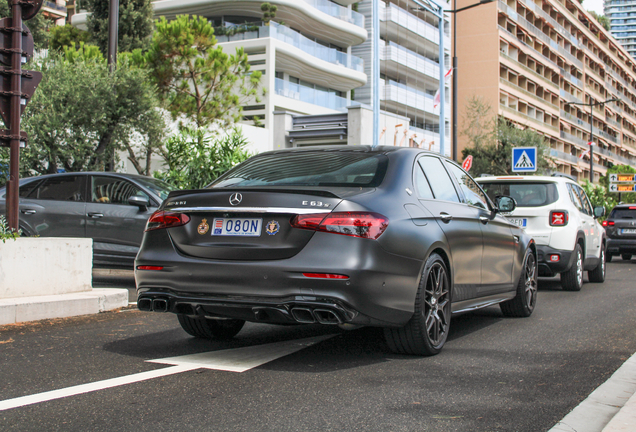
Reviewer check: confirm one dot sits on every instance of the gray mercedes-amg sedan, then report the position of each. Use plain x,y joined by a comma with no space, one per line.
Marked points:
392,237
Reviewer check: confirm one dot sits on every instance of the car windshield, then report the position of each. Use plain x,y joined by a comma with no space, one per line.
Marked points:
624,213
308,168
525,194
159,187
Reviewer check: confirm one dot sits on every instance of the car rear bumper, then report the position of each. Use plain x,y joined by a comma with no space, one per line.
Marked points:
621,246
380,289
547,267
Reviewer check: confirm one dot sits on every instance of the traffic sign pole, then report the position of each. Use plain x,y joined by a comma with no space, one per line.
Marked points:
14,126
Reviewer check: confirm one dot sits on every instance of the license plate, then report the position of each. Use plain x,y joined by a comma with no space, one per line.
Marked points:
628,231
519,222
237,227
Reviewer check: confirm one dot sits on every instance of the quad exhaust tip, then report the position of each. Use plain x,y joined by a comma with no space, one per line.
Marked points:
303,315
325,316
160,305
144,304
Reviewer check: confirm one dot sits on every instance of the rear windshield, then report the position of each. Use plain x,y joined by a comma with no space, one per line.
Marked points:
623,214
319,168
526,194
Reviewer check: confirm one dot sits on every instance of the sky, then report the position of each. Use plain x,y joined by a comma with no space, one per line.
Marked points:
594,5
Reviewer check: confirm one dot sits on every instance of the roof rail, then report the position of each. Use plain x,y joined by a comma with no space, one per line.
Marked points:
558,174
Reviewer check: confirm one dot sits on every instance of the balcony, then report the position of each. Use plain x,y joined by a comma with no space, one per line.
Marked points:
309,95
408,29
527,69
535,98
291,37
564,156
540,124
52,8
409,64
405,99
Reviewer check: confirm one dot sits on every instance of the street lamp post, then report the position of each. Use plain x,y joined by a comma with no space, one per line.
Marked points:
592,104
455,11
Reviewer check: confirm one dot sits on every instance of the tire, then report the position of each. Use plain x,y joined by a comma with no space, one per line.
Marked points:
523,304
210,328
598,274
608,257
626,257
572,279
426,332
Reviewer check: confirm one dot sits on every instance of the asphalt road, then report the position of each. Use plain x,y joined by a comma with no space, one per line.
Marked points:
494,374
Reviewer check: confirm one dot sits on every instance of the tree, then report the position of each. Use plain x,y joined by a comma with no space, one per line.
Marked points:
81,113
135,24
602,20
67,35
269,12
38,25
195,159
197,81
492,139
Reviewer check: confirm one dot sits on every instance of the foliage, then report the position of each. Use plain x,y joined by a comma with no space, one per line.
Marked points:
269,12
599,196
135,24
81,113
492,139
4,167
195,159
196,80
602,20
67,35
38,25
6,232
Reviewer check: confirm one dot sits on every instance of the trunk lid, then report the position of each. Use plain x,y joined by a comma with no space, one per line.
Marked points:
233,224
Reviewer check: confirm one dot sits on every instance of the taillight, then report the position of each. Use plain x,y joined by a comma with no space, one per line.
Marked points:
559,218
165,219
607,223
356,224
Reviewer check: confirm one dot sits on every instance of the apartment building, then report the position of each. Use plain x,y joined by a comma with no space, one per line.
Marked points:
529,59
622,18
55,11
409,72
316,59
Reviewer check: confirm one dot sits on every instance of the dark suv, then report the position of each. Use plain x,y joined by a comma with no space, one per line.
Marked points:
620,228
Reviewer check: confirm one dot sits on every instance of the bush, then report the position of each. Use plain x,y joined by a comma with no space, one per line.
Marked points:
6,232
195,159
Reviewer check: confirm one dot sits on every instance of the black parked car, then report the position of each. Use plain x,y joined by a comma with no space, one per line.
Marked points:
110,208
393,237
620,228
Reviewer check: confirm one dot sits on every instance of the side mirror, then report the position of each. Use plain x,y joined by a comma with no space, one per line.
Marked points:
139,201
599,211
506,204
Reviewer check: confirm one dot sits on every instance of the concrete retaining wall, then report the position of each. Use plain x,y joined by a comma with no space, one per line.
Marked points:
45,266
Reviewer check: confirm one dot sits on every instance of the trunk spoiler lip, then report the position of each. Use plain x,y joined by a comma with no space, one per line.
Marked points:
292,210
300,191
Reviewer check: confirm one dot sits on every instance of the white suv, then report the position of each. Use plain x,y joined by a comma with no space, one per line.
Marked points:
557,213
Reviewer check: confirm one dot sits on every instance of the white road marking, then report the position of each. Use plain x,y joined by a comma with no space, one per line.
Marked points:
90,387
242,359
233,360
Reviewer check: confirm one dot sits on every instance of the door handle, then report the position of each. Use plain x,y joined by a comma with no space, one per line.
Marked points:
96,215
28,211
445,217
484,220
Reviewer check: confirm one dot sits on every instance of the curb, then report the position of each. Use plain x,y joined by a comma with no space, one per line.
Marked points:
609,408
22,309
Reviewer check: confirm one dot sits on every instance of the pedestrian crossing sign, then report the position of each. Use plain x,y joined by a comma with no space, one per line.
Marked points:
524,159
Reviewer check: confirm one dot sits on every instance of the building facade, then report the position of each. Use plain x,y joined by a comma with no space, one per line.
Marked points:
622,17
316,59
537,64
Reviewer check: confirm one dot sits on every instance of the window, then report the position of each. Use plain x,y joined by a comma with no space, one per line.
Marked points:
421,184
526,194
587,208
441,183
26,189
113,190
474,196
60,188
574,197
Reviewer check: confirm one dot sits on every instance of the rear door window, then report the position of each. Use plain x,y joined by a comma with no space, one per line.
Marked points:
440,181
472,193
61,188
526,194
585,202
113,190
575,198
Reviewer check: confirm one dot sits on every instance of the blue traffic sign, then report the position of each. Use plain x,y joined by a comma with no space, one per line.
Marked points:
524,159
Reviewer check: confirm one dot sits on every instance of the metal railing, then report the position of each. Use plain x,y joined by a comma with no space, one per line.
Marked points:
292,37
309,95
337,11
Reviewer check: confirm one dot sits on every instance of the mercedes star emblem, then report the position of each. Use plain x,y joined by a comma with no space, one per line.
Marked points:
235,199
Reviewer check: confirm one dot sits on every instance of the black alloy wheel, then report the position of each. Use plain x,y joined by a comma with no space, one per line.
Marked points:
523,304
598,274
210,328
572,279
426,332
